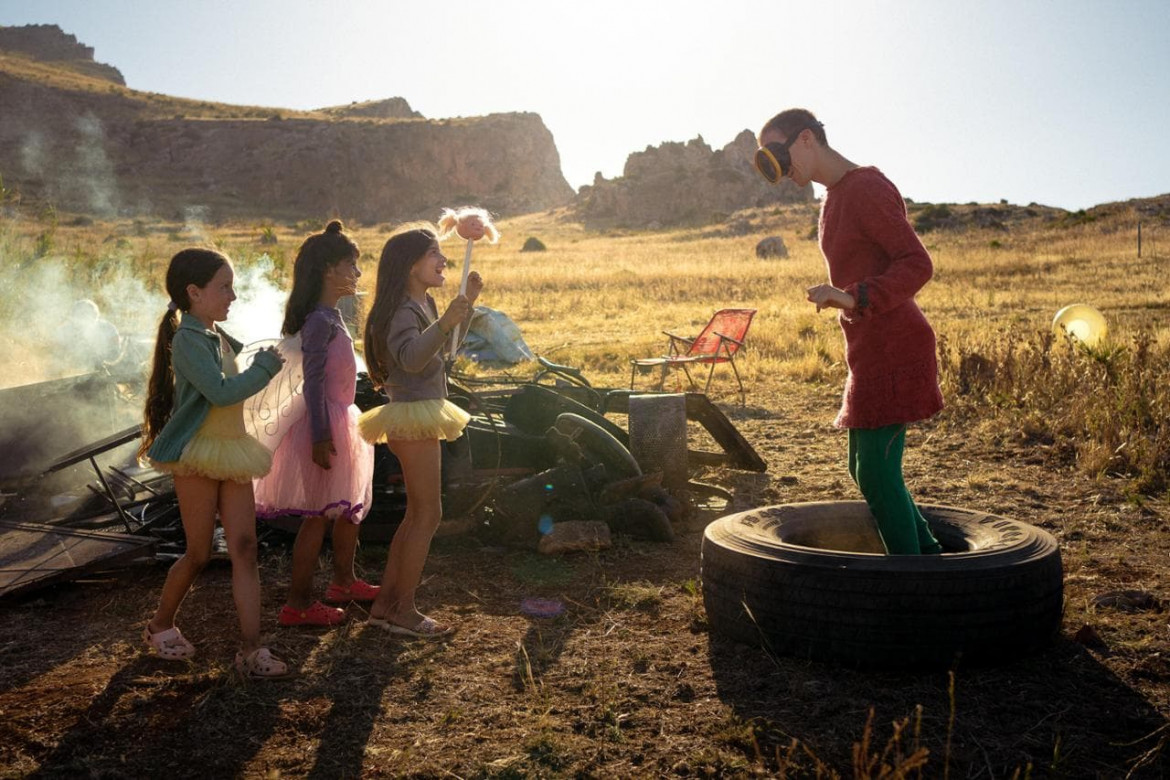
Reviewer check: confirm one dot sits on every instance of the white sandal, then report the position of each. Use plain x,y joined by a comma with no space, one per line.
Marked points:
169,644
427,628
261,664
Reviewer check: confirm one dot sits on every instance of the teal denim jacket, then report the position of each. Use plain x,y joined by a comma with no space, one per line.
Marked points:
200,384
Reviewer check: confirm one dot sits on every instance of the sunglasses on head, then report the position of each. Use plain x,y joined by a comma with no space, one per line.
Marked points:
773,160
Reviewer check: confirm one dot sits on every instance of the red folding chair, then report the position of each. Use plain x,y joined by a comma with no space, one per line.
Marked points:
718,342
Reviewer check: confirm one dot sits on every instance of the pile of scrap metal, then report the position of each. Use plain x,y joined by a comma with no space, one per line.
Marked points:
43,492
541,466
565,475
537,456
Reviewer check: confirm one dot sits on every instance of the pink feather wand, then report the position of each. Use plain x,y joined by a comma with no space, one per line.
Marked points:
470,224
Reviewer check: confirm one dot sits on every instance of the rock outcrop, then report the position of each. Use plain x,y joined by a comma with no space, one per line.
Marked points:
682,184
49,43
391,108
96,147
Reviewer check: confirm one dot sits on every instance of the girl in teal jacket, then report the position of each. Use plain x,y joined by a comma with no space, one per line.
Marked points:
194,429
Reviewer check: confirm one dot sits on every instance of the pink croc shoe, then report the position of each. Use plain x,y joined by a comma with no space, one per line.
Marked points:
169,644
261,664
360,590
316,614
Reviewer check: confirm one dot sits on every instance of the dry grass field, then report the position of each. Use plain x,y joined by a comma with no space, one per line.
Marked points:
628,681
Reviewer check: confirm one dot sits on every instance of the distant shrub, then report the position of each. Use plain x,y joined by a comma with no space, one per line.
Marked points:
995,244
1078,217
268,235
933,217
533,244
772,246
43,244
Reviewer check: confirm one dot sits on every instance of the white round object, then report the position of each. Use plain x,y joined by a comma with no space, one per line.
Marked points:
1081,322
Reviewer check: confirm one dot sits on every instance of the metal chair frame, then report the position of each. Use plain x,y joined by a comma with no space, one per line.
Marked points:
683,352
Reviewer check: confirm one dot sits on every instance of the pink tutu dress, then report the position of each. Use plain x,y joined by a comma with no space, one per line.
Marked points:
296,485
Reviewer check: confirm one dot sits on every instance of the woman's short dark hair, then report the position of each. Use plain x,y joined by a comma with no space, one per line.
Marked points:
793,120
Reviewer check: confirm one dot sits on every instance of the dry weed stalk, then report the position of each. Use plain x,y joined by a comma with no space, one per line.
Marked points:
1106,409
890,762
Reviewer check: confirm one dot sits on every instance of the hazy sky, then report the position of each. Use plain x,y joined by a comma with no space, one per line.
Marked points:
1064,103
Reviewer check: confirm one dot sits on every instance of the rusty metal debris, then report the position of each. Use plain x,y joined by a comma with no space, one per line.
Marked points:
535,454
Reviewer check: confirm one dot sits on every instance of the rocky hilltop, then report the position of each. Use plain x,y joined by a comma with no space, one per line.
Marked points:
89,144
683,184
49,43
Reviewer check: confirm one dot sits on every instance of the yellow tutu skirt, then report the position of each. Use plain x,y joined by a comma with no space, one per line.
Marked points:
221,450
435,418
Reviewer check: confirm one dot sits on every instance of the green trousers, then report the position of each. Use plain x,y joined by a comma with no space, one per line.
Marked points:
875,463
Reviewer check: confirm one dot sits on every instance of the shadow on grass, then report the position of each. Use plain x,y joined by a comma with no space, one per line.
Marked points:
64,611
155,718
1061,712
151,719
353,677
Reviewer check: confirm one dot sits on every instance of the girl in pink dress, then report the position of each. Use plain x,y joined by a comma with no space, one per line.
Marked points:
322,469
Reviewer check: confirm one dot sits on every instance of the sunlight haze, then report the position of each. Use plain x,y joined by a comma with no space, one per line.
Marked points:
1060,103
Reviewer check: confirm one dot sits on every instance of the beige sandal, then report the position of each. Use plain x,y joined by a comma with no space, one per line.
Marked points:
169,644
261,664
427,628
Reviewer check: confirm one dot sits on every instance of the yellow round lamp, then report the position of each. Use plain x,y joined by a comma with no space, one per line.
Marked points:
1081,322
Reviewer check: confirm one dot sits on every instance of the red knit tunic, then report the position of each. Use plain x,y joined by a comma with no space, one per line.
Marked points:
874,255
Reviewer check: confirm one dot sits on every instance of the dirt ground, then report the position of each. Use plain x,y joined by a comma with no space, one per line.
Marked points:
627,681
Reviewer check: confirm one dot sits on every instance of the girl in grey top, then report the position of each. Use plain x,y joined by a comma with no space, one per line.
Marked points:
404,338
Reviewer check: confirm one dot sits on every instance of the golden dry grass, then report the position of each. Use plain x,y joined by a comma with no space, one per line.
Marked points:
597,300
629,682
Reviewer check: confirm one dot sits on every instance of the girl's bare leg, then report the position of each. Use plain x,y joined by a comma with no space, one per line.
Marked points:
345,542
306,550
237,513
421,471
198,498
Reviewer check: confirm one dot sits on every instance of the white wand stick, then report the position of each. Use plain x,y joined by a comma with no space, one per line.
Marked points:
470,224
462,291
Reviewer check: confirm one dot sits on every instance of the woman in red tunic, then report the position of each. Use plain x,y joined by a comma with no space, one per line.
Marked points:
876,265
